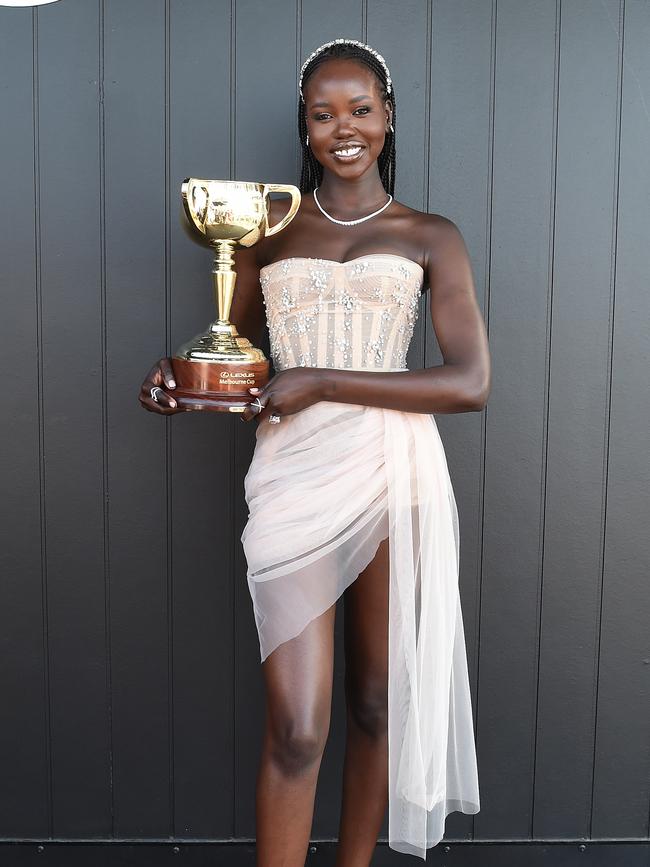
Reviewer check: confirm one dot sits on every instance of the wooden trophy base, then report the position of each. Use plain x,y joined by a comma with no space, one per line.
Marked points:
216,386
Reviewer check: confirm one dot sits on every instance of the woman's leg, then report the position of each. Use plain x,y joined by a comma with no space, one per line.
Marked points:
365,772
298,686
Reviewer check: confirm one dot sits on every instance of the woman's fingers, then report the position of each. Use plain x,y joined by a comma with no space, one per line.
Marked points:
159,395
153,396
252,410
264,413
167,372
155,399
257,405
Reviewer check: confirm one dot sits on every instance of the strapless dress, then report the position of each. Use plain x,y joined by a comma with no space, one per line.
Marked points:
327,485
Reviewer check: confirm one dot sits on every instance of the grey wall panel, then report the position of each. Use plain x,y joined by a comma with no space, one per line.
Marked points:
73,412
130,656
458,186
265,74
578,409
622,757
523,161
202,495
138,324
24,745
321,22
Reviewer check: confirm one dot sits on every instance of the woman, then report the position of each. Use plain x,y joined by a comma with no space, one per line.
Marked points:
348,489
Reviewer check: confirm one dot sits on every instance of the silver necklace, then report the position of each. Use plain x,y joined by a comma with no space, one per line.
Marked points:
350,222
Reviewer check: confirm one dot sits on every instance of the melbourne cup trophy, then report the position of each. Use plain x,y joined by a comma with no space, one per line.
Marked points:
215,369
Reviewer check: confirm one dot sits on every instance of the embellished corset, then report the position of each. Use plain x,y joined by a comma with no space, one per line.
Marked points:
358,314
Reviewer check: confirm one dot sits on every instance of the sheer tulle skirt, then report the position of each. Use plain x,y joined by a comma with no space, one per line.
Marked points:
324,488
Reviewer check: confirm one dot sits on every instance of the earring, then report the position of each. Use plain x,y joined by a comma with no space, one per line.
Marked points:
392,129
307,141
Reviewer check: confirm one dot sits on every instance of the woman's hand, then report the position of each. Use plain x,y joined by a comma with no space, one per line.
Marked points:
289,391
161,374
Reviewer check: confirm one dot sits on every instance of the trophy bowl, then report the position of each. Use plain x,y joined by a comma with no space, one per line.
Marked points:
215,369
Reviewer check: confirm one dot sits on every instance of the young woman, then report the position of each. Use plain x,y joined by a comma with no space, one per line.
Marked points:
348,490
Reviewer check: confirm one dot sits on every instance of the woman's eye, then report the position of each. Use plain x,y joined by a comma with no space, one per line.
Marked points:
362,110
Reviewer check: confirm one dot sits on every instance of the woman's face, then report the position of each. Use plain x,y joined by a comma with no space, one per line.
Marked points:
346,117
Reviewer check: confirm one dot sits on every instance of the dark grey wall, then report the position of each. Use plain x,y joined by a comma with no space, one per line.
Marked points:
130,678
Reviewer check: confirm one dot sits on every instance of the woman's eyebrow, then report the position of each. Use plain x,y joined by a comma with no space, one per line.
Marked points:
324,103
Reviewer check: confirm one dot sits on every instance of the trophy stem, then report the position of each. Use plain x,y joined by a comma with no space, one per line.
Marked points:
223,279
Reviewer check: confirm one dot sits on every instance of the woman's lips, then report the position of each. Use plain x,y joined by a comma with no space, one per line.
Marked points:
348,153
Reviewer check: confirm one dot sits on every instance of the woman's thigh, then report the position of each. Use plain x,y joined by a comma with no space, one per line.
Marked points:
298,680
366,640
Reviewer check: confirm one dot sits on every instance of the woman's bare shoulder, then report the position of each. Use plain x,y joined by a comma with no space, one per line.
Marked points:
424,221
431,233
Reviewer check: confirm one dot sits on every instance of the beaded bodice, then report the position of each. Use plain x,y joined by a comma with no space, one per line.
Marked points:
358,314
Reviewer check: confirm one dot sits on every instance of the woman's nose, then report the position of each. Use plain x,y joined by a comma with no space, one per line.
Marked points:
345,126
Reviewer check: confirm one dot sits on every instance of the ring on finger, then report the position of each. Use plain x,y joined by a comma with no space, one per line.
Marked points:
153,391
260,405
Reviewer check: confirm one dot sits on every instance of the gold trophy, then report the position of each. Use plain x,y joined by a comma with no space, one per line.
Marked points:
215,369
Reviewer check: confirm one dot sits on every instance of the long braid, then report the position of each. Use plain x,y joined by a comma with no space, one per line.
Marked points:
311,173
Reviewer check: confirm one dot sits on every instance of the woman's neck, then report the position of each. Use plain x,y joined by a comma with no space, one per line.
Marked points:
347,198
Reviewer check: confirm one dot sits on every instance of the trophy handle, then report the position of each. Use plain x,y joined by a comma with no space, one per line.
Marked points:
294,192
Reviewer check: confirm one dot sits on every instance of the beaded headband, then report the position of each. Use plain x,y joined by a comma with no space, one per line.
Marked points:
341,41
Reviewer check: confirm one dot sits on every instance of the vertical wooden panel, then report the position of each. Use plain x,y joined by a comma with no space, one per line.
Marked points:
320,23
265,139
519,290
577,418
265,107
137,321
202,493
24,753
459,177
73,414
622,756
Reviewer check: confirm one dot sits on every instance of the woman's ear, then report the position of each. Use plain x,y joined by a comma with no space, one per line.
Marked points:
389,113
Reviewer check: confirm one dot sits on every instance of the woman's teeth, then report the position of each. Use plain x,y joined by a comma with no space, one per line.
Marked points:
348,153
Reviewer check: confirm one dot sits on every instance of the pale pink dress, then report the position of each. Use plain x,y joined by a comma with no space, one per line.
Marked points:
327,484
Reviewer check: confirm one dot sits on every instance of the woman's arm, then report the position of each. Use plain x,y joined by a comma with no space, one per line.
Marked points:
462,382
247,312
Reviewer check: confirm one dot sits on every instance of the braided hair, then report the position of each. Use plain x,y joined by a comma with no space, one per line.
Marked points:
311,173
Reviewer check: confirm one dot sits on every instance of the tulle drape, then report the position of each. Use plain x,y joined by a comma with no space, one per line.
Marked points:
324,488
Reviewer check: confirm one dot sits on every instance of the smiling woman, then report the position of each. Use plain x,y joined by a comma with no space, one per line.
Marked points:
348,490
351,494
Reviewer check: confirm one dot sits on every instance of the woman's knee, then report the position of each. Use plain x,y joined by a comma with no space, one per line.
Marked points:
298,678
368,709
296,746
